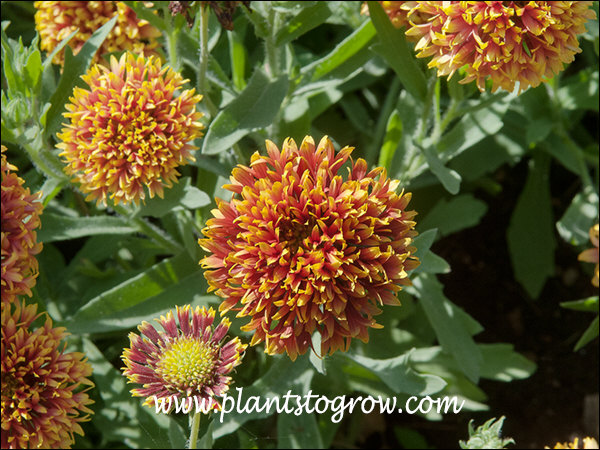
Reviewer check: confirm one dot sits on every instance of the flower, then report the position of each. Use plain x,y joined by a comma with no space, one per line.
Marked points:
42,403
299,249
129,130
588,442
20,218
189,358
509,42
54,21
591,254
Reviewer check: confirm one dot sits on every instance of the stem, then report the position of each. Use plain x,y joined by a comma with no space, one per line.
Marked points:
171,36
272,55
194,430
203,50
50,165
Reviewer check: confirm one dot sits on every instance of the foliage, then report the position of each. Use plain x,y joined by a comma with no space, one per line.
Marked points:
290,69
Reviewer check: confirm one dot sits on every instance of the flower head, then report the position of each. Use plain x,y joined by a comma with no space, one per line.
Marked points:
20,218
42,403
56,20
506,41
300,249
188,359
591,254
129,130
588,442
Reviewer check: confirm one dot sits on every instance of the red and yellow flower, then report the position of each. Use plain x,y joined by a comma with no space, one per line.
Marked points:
42,400
299,249
588,442
591,254
20,217
129,129
54,21
190,358
505,41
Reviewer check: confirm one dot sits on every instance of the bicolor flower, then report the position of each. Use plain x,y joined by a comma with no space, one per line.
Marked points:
188,358
301,249
20,217
44,388
55,20
129,129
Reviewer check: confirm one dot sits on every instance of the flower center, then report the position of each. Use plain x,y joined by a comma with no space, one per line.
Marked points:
187,365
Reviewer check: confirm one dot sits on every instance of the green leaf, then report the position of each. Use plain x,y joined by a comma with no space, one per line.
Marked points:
502,363
300,431
432,263
449,329
589,304
60,228
122,417
143,12
398,374
530,233
423,242
308,18
458,213
138,288
485,119
589,334
393,136
237,55
393,48
449,178
284,375
580,91
182,194
74,67
255,108
341,53
574,226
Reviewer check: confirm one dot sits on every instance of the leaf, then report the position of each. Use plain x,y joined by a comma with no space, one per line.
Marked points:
138,288
423,242
122,417
74,67
307,19
579,217
432,263
392,47
300,431
282,377
398,374
255,108
589,334
393,136
530,234
178,196
589,304
502,363
451,331
341,53
60,228
458,213
449,178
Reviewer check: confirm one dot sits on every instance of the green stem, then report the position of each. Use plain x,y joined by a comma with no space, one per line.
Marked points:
171,35
194,430
50,165
272,55
202,86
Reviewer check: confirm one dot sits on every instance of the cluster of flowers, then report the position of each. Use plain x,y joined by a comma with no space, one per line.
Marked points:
302,246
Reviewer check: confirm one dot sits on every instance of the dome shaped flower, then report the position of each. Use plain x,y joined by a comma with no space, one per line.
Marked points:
42,399
54,21
509,42
299,248
588,442
129,129
190,358
591,254
20,218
